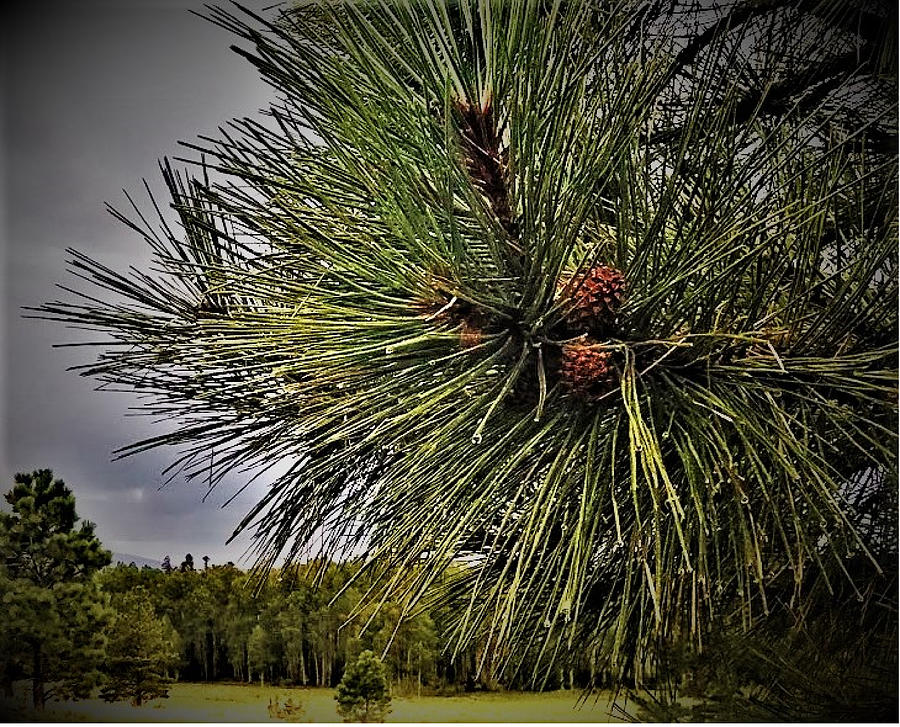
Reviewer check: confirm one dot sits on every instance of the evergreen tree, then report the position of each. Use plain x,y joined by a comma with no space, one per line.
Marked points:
599,300
141,649
363,694
54,616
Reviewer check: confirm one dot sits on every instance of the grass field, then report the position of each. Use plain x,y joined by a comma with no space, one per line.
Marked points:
243,703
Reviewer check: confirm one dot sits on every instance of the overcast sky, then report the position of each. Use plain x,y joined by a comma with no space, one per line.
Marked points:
94,93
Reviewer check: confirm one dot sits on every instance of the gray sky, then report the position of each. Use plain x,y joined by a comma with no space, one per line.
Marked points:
94,93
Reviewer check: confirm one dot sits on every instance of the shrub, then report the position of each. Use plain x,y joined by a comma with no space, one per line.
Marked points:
363,694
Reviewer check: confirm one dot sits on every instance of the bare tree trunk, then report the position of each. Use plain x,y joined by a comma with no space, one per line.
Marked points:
6,680
206,657
37,678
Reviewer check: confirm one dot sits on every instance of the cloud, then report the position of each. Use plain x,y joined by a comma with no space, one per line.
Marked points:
97,92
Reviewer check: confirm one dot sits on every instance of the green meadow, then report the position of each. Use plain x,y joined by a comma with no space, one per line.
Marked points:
245,703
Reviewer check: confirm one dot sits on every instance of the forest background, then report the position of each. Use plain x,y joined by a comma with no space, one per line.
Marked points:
75,623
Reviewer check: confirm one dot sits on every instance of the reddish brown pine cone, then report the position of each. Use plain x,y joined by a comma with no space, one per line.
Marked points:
586,371
594,297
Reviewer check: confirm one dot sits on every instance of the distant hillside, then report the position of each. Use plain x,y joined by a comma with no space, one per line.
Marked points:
139,561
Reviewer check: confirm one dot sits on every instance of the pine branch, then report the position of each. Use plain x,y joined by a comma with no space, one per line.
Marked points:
800,94
623,388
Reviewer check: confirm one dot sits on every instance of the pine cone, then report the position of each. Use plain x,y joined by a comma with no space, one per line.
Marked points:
595,297
586,371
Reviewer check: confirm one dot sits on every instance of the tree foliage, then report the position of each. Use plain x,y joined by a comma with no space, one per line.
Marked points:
597,300
778,672
293,627
140,651
363,694
54,617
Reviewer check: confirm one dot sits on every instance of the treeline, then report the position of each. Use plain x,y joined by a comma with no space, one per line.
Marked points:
75,626
235,626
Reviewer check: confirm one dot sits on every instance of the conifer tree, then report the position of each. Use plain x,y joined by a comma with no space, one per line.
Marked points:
54,617
140,651
598,300
363,694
